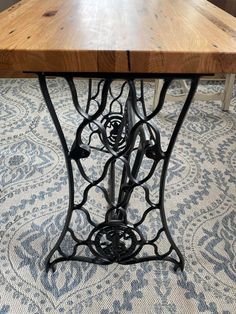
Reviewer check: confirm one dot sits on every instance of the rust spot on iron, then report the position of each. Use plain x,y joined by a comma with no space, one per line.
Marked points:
49,13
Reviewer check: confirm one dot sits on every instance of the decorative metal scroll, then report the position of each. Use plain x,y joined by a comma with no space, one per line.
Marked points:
125,131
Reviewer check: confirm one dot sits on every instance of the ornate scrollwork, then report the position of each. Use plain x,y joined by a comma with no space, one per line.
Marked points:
120,124
115,242
113,124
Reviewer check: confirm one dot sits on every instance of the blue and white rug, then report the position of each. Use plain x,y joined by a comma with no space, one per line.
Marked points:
200,203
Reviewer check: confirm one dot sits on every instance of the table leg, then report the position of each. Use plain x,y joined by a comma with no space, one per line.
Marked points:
116,239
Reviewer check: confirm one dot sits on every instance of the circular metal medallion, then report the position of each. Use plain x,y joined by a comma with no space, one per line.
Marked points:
112,123
116,242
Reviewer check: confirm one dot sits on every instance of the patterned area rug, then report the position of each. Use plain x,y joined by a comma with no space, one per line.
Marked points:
200,203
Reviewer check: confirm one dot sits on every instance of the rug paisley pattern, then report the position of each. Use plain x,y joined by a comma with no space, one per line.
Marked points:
200,202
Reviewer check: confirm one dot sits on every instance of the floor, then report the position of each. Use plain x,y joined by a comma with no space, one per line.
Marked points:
200,203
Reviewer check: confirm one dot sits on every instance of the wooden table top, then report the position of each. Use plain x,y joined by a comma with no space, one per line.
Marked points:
142,36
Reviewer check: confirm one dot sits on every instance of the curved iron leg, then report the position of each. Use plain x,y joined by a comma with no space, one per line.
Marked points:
167,154
47,98
193,88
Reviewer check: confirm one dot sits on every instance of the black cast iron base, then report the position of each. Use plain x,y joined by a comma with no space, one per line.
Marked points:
128,134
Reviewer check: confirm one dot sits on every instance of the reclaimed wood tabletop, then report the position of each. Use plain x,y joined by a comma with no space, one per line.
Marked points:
128,36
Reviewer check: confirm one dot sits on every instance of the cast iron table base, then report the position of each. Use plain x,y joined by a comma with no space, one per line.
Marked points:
119,130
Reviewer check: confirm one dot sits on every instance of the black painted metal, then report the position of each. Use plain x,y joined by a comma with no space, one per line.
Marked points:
124,131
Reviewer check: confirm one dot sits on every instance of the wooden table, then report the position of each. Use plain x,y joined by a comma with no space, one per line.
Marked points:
126,40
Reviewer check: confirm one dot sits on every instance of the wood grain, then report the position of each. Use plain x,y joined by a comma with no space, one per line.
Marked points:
155,36
15,74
